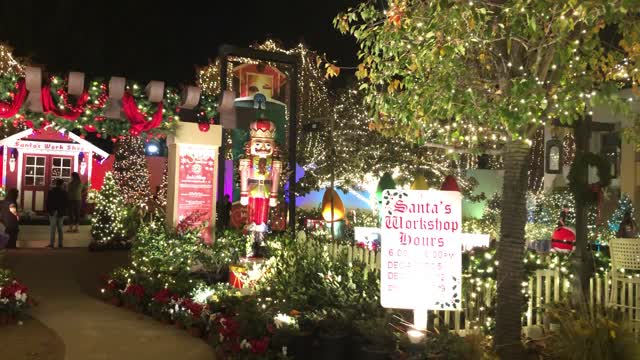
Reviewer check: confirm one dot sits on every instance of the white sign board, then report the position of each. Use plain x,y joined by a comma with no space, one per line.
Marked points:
421,249
472,241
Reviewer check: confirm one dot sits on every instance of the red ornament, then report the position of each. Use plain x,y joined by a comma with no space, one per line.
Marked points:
15,123
29,124
212,121
204,126
98,135
81,136
114,140
90,128
44,124
450,184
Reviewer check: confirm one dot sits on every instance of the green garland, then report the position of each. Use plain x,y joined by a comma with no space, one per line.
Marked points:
93,119
579,170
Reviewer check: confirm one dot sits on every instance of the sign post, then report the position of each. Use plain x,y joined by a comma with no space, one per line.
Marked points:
193,175
421,251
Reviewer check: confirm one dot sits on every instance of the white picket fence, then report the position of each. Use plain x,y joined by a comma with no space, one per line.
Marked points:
544,287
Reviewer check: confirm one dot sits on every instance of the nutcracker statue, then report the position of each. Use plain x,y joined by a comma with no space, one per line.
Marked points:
259,179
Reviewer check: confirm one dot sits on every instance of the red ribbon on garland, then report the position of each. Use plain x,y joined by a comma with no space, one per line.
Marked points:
137,120
48,105
8,110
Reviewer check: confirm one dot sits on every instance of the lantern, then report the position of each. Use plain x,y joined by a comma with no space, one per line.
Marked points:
450,184
335,223
338,206
12,160
553,156
419,183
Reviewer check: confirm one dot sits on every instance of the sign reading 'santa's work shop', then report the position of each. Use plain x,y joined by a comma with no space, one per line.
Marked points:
421,249
196,176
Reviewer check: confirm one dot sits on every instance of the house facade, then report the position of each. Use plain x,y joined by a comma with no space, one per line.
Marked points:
32,160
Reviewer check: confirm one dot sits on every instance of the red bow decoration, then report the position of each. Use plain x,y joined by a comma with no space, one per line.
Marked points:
137,120
48,106
8,110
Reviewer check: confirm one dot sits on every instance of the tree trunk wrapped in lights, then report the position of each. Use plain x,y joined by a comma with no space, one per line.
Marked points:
511,245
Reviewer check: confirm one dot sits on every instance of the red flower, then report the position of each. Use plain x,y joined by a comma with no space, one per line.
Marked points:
112,285
10,290
163,296
194,308
259,346
135,290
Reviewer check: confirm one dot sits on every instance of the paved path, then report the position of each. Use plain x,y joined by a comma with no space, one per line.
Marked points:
65,281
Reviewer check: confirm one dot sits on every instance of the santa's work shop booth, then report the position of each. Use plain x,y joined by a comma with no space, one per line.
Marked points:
33,160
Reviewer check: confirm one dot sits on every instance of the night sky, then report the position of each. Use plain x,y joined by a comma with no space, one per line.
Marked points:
148,40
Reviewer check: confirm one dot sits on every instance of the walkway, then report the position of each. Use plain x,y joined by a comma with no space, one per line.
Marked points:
65,281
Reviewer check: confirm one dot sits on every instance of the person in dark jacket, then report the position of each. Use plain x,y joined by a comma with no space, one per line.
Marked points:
9,215
56,206
74,195
628,227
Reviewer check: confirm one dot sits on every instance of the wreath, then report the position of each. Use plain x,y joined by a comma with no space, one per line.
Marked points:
588,193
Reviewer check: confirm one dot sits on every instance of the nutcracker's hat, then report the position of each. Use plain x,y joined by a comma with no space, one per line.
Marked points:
262,129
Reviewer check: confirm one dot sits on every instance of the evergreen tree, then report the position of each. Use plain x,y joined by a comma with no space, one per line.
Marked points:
162,192
624,205
107,223
130,171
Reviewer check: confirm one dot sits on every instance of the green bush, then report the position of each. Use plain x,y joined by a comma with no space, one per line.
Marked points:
306,278
585,334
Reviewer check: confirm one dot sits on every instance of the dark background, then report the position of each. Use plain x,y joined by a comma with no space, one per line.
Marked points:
152,40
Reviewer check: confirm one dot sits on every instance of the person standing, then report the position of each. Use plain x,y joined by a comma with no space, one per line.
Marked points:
628,227
75,188
9,215
56,206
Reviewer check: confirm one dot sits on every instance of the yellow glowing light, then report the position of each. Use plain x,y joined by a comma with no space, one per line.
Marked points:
338,206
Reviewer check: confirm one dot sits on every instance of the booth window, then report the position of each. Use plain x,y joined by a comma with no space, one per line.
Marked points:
34,170
61,169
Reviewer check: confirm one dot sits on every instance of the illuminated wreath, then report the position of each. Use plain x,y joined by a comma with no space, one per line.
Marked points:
588,193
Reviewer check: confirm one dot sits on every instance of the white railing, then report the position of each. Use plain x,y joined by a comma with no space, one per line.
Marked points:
544,287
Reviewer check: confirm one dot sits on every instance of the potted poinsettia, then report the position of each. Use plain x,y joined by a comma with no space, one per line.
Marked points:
191,315
133,296
112,291
14,300
160,305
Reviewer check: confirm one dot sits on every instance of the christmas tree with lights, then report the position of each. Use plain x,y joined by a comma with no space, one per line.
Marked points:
161,195
624,205
107,223
130,171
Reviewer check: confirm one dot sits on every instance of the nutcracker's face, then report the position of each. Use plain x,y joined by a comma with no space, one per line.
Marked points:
261,147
